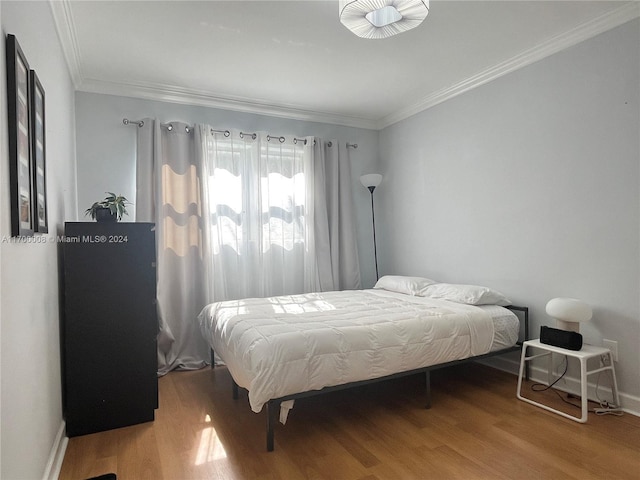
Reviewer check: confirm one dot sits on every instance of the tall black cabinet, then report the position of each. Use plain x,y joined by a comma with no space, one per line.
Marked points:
109,326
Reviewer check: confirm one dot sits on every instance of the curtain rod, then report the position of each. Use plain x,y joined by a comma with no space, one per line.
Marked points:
226,133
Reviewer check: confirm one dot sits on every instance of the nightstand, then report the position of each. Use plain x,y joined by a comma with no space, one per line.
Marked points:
587,352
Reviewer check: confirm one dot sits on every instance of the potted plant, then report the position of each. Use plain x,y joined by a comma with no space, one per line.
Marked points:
110,209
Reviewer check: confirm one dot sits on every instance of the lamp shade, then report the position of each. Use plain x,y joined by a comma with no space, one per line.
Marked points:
371,180
569,312
382,18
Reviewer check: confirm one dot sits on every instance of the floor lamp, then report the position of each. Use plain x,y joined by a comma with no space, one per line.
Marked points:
371,181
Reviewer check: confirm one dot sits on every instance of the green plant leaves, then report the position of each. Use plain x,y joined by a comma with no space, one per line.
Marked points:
117,205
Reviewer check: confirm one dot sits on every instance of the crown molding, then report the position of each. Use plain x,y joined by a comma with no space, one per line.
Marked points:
545,49
65,26
175,94
66,29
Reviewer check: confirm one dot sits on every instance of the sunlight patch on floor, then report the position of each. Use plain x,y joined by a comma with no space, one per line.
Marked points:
210,448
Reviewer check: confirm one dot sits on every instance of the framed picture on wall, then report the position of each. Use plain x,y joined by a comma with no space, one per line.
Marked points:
38,154
20,168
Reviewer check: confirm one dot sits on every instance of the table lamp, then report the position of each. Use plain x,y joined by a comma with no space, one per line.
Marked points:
569,312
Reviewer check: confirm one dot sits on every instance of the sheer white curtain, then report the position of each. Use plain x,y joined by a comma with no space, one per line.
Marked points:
237,216
259,202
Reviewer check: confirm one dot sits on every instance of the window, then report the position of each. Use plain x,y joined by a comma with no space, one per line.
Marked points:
259,201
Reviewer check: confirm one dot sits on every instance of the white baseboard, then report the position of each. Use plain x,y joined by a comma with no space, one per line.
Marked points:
629,403
54,464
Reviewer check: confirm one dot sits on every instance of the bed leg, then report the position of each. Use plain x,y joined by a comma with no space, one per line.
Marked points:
213,357
272,412
234,389
428,390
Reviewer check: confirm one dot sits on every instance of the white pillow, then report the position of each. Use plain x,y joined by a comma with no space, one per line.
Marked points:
402,284
469,294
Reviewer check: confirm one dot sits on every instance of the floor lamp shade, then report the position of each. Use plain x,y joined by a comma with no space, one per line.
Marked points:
371,180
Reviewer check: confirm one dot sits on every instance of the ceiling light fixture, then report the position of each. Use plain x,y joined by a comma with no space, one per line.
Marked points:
382,18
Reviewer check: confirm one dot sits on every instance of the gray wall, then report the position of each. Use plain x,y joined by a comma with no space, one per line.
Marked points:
106,150
31,417
529,184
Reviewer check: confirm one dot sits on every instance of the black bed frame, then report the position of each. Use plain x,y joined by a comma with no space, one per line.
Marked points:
273,405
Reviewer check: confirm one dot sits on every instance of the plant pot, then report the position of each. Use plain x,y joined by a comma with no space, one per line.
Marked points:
105,215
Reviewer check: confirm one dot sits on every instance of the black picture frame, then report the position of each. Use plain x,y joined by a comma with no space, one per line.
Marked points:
38,154
20,164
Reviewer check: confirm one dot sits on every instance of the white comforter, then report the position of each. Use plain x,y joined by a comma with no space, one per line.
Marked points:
285,345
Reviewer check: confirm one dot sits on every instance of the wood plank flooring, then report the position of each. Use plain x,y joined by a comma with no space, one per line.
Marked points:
476,429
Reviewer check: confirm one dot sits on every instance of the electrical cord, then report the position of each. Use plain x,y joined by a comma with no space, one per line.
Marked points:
606,408
541,387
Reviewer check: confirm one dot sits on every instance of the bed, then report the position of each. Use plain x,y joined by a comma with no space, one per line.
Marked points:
288,347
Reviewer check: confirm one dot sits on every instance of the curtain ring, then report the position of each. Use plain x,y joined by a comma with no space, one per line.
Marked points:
226,133
139,123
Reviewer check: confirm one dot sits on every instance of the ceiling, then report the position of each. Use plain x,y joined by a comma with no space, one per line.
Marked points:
295,59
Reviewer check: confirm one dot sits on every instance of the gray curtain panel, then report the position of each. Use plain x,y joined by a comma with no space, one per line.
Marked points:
171,158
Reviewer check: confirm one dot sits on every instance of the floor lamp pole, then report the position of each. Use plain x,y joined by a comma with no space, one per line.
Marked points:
371,181
373,219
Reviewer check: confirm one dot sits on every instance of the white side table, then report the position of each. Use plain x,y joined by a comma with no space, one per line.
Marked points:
587,352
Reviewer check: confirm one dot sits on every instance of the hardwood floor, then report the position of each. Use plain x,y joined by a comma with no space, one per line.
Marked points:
476,429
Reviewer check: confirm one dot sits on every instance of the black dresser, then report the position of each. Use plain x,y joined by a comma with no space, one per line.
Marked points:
109,327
